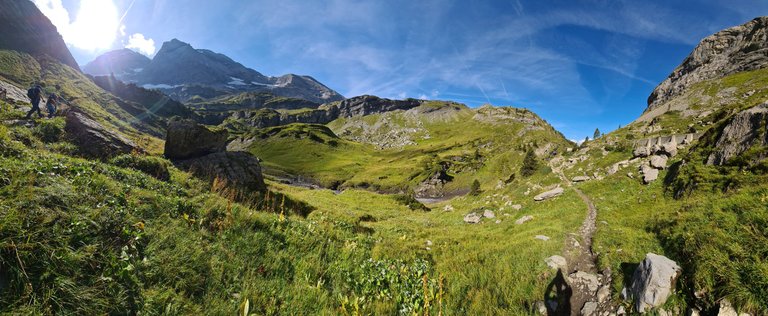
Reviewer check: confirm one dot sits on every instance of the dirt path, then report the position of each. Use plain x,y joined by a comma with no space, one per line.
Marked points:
588,292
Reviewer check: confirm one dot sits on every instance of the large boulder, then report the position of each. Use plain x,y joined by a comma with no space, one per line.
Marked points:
653,282
549,194
235,175
658,161
650,174
187,139
745,130
93,139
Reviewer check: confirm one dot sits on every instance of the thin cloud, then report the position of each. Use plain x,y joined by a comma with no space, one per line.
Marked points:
141,44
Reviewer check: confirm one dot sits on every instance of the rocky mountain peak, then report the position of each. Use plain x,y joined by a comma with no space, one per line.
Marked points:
26,29
121,61
737,49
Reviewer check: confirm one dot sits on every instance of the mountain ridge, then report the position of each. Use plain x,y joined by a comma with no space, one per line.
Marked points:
178,66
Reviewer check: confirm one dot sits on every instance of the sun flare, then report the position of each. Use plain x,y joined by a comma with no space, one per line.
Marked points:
94,27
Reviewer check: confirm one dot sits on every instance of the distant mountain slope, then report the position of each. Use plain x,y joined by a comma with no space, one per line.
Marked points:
25,29
429,148
124,63
183,72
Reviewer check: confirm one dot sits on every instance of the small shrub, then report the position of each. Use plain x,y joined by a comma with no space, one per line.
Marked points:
411,202
530,164
153,166
474,189
49,131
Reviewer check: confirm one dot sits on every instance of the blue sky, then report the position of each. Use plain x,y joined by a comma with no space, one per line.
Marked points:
581,65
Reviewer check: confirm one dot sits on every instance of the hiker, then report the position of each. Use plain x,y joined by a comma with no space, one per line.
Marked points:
35,94
54,100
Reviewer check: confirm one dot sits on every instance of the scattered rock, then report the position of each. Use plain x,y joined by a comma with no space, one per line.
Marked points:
641,151
621,311
658,161
498,221
649,174
549,194
448,208
489,214
589,309
726,309
693,312
581,179
557,262
187,139
472,218
429,243
93,139
669,148
541,308
523,219
653,282
542,237
517,207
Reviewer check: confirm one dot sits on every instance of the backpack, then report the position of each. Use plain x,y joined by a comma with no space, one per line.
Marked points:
33,93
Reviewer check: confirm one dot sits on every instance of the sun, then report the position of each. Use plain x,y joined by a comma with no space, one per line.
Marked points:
94,27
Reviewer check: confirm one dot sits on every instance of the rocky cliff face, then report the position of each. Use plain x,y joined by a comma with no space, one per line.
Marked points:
124,62
178,67
737,49
746,130
357,106
26,29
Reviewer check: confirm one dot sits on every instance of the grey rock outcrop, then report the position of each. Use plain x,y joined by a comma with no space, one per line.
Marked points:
737,49
93,139
489,214
653,282
549,194
745,130
433,186
186,139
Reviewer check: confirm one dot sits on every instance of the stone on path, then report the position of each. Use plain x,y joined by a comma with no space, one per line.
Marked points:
557,262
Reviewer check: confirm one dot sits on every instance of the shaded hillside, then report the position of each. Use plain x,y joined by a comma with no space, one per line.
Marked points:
26,29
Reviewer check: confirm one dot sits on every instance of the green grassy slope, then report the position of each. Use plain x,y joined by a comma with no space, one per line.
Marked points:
85,237
131,119
486,144
709,219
